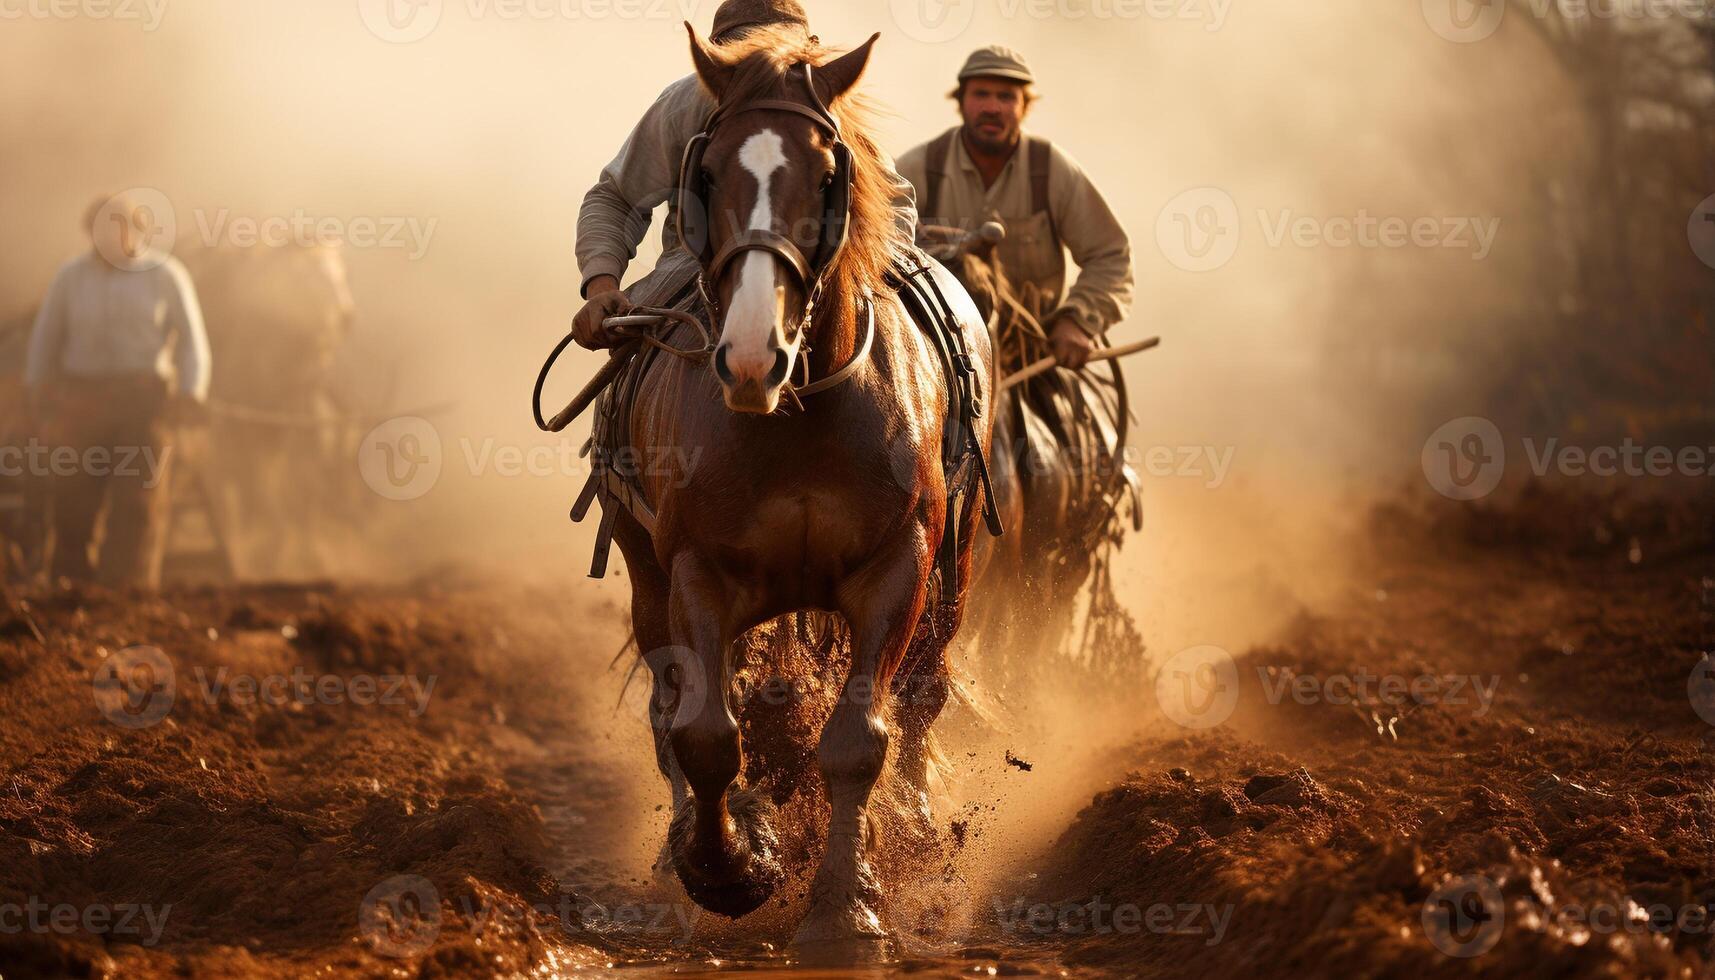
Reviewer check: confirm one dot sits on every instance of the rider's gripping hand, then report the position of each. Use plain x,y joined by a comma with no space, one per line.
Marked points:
605,300
1072,346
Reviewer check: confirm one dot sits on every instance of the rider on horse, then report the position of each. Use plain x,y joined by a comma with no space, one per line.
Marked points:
975,173
615,214
1064,430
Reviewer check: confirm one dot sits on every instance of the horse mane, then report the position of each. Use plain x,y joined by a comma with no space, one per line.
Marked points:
760,61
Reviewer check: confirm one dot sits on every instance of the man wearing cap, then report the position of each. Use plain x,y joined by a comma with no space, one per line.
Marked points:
989,169
117,352
616,211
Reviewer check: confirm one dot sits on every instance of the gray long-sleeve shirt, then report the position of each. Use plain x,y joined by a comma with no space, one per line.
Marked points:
98,320
616,211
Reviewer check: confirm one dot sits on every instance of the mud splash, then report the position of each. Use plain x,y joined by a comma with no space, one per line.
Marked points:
509,823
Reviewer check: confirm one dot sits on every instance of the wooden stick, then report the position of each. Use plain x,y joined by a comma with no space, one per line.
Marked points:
1104,354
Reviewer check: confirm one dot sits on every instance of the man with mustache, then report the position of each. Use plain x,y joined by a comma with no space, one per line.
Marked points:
989,169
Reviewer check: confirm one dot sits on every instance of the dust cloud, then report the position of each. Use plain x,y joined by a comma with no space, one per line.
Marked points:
1295,381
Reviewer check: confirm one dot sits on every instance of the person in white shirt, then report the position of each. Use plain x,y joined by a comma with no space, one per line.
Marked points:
117,353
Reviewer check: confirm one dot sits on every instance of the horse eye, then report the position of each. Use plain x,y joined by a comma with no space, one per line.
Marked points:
827,180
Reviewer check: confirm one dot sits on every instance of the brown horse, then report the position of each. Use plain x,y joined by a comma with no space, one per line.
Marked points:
837,505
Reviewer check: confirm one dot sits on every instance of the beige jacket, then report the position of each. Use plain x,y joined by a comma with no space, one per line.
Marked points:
616,212
1078,220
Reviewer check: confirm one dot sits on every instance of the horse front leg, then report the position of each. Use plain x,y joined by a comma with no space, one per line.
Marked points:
724,845
881,603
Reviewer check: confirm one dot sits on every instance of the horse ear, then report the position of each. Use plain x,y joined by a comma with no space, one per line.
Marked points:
837,77
714,72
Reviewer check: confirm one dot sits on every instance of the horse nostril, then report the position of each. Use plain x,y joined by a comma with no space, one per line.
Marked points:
722,372
781,366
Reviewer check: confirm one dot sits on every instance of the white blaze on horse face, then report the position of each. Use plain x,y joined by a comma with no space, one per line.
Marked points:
756,316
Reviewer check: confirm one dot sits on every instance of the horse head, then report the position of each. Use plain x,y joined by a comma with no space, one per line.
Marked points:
767,201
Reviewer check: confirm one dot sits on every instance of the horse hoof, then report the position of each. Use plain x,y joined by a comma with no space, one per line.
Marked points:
733,899
749,874
833,925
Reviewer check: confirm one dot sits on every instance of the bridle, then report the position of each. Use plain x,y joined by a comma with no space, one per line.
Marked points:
812,272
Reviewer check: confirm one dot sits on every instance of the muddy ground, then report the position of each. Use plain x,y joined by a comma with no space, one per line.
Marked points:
1545,808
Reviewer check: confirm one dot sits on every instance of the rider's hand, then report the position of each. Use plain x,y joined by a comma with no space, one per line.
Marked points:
1072,346
605,300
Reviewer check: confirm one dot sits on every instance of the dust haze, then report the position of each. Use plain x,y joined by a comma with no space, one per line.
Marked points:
1293,382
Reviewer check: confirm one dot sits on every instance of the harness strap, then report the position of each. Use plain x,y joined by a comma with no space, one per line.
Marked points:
1037,152
851,366
757,240
935,172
